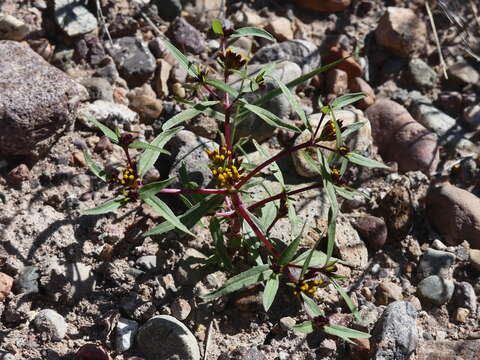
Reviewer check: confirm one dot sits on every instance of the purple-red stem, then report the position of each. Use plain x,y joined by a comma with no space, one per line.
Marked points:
193,191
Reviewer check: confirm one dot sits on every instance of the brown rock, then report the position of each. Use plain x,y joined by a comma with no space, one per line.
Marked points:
143,100
388,292
79,159
448,350
360,350
349,65
92,352
402,139
455,214
18,175
6,283
281,28
38,102
324,5
337,81
372,229
357,84
104,144
402,31
396,208
475,258
161,77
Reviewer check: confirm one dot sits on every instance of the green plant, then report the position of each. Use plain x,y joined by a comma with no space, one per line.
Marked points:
237,224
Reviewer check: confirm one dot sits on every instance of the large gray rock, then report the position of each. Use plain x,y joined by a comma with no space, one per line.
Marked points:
455,214
187,37
422,74
73,17
402,139
435,262
163,337
134,60
301,52
252,125
395,335
436,290
51,323
37,101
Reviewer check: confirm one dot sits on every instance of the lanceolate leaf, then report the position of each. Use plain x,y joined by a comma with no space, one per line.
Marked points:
270,118
94,168
251,31
346,99
291,99
364,161
149,157
106,207
191,216
344,332
347,299
270,291
188,114
105,129
182,59
218,240
217,27
219,84
162,208
153,188
246,278
352,128
143,145
290,251
305,327
312,307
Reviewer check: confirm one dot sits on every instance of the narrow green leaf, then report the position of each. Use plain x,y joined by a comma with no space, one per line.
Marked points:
352,128
94,168
364,161
251,31
105,129
312,306
293,102
346,99
269,213
331,231
182,59
246,278
270,118
190,217
344,332
217,27
151,189
106,207
143,145
270,291
347,299
149,157
219,84
290,251
306,327
188,114
162,208
275,92
220,249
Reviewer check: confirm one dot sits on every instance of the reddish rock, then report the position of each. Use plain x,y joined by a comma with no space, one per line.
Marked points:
337,81
372,229
388,292
401,31
402,139
6,283
397,210
360,349
350,66
104,144
455,214
92,352
281,28
324,5
357,84
18,175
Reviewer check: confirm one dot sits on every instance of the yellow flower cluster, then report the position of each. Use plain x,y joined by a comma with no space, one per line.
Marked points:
308,287
329,132
129,177
225,169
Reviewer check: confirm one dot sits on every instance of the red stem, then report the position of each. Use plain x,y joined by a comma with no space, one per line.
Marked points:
246,216
194,191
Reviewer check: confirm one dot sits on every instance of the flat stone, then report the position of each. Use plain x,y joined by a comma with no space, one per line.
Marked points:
6,283
163,337
12,28
475,258
108,113
125,334
349,246
186,37
27,281
74,18
422,74
447,350
436,290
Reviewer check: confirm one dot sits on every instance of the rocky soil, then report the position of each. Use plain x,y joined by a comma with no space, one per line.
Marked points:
92,287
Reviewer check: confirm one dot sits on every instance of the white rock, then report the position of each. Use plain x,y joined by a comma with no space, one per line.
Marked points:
125,334
51,323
